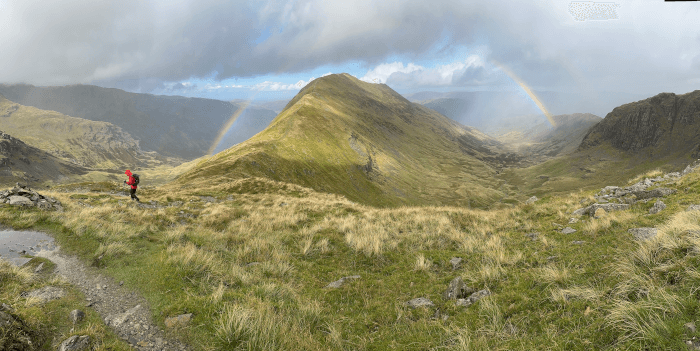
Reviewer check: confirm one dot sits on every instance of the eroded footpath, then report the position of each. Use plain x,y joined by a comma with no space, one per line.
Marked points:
126,312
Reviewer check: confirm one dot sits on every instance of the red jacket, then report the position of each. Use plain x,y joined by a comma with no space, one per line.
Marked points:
131,180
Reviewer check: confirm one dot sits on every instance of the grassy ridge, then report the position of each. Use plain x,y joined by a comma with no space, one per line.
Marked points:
608,292
365,142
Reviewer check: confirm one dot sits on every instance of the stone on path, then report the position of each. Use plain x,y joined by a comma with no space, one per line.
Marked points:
118,320
642,234
420,302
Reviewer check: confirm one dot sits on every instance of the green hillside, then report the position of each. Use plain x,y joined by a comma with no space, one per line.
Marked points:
366,142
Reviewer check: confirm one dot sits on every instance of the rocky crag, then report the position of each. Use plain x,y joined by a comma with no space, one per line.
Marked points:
22,195
663,125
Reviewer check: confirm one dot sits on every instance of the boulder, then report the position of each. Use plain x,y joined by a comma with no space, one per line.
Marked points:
658,207
179,321
75,343
648,194
420,302
47,293
642,234
20,201
457,290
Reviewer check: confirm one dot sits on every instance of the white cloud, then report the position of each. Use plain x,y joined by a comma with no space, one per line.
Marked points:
380,73
473,70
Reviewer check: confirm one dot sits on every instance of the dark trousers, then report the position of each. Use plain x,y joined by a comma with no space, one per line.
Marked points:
133,194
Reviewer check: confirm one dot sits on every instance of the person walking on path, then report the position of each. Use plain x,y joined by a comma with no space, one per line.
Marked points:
134,183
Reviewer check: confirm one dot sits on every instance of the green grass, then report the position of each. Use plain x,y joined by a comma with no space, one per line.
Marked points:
544,292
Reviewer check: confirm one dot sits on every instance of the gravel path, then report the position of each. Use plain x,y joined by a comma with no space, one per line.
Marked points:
125,312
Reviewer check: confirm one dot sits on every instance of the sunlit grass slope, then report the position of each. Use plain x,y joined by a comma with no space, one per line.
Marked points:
253,265
364,141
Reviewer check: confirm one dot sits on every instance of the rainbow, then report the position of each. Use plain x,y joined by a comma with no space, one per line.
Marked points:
527,90
228,125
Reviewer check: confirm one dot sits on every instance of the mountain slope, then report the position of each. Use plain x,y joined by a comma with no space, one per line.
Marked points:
367,142
664,125
170,125
87,143
22,162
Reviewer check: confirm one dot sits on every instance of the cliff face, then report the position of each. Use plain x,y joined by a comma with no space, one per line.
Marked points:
664,124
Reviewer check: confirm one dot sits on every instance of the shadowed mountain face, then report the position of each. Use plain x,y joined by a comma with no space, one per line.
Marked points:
663,125
368,143
21,162
170,125
76,140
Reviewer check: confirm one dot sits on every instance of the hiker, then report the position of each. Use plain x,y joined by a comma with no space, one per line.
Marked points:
133,181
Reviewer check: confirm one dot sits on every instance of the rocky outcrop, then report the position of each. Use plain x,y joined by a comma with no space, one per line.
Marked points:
22,195
667,123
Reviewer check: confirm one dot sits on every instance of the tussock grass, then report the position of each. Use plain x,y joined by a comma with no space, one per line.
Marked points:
252,267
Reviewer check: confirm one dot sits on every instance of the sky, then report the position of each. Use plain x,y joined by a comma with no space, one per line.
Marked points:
268,50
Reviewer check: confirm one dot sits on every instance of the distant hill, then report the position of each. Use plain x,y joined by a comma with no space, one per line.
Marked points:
20,162
368,143
661,126
493,112
170,125
98,145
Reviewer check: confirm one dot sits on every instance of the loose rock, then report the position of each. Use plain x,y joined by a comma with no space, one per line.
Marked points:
642,234
531,200
457,290
568,230
658,207
693,208
473,298
455,261
420,302
181,320
75,343
338,283
690,327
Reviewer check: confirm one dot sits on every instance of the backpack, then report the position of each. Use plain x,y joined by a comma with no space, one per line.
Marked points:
136,179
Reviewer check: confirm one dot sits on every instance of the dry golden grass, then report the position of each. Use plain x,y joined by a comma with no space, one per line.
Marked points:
594,226
422,264
553,274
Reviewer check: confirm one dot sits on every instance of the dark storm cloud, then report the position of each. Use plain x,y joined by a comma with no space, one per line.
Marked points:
157,43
